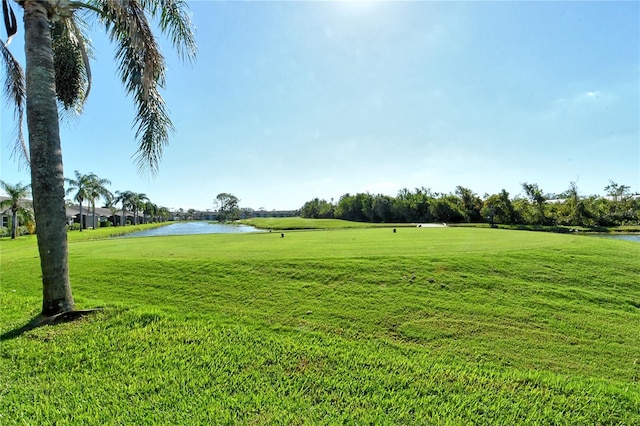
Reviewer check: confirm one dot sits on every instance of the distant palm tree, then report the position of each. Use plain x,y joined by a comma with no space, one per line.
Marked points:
80,186
112,206
137,204
149,209
57,77
163,213
124,197
16,203
97,188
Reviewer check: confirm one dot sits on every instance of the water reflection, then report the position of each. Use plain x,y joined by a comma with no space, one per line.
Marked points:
193,228
635,238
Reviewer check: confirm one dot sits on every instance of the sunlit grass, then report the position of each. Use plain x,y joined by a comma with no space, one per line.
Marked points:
299,223
442,325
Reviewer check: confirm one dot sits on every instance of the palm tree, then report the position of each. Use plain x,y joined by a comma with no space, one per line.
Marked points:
137,203
149,209
163,213
124,197
81,187
57,73
15,203
111,205
97,188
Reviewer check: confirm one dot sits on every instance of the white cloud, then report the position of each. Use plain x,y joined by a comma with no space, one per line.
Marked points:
583,101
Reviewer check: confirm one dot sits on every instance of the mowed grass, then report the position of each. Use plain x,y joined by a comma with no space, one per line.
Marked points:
300,223
356,326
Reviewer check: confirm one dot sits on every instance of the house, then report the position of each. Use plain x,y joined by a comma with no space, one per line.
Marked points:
102,215
275,213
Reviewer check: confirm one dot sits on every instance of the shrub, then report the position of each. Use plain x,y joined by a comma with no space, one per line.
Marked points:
73,227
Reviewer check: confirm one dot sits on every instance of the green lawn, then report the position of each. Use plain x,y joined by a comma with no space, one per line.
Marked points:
299,223
356,326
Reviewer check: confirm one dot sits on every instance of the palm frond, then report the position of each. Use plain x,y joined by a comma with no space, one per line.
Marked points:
10,22
174,21
141,68
16,93
153,128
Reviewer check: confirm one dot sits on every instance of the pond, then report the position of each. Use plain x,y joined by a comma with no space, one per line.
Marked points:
626,237
192,228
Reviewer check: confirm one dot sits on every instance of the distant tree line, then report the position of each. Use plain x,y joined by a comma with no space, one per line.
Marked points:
534,207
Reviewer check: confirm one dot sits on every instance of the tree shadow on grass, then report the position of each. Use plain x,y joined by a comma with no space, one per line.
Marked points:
39,321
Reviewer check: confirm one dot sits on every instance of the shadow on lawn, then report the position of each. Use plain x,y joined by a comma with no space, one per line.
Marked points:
39,321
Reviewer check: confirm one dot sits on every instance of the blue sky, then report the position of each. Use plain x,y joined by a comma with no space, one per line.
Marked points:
288,101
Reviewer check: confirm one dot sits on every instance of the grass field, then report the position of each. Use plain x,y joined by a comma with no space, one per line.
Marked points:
300,223
357,326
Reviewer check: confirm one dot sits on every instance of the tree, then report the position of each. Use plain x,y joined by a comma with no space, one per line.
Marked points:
383,208
80,186
136,202
16,203
573,208
88,187
537,198
471,204
112,206
124,197
163,213
498,208
446,209
617,192
149,209
317,209
228,207
98,189
57,70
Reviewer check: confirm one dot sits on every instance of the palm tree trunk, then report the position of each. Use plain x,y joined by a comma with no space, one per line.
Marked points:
81,218
47,177
14,224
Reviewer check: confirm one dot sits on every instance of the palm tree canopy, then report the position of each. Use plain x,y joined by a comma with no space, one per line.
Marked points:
16,194
98,188
140,63
138,200
126,199
80,186
150,208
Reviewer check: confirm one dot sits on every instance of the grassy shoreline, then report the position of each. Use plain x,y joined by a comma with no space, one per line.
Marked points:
298,223
357,325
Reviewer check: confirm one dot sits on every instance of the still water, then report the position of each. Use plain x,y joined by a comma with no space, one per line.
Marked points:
191,228
635,238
